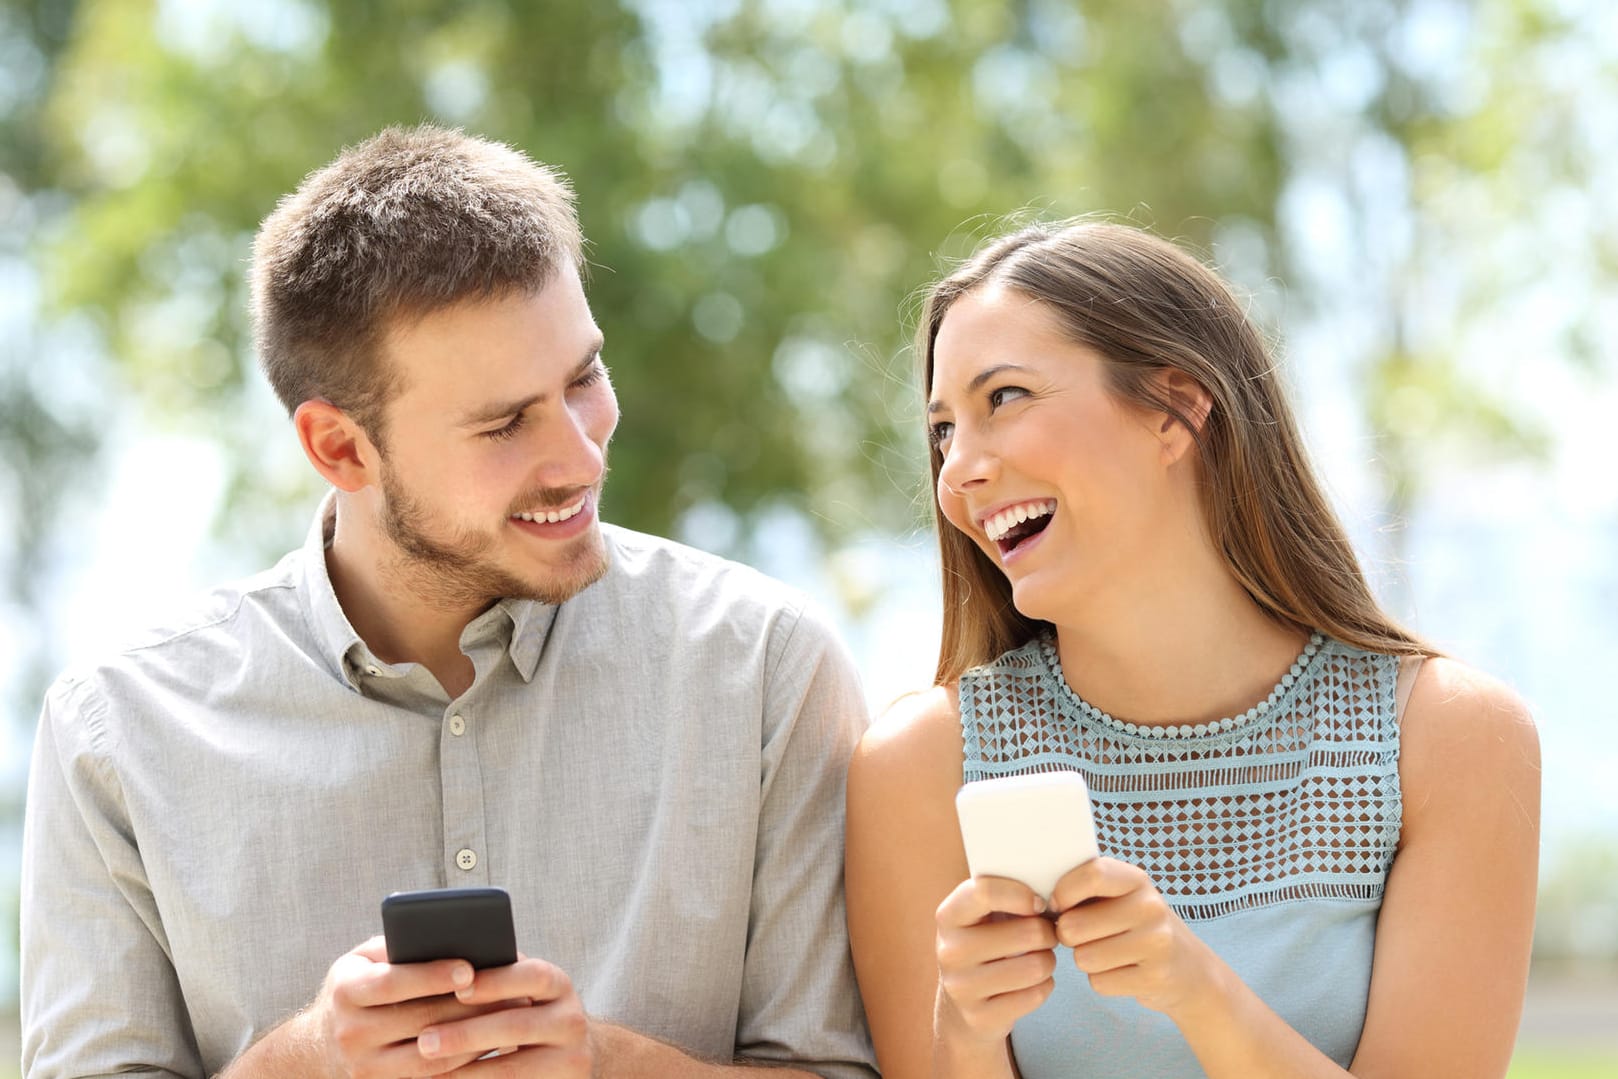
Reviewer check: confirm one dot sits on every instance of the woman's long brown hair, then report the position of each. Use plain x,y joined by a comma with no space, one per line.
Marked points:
1145,306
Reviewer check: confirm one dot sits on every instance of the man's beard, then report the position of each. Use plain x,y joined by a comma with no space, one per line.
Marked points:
454,574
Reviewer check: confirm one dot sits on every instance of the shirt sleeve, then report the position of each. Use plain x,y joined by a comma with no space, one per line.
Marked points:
99,995
799,1003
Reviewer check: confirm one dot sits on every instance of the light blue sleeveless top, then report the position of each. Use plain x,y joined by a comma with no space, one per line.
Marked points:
1271,833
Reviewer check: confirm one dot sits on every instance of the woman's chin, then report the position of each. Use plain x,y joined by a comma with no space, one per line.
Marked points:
1032,601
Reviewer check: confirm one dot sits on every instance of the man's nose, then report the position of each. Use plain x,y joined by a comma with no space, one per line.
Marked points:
571,455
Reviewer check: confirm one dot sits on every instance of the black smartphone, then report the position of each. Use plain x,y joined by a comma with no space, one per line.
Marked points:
450,923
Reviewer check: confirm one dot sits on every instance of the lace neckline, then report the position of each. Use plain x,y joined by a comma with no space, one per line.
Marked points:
1279,695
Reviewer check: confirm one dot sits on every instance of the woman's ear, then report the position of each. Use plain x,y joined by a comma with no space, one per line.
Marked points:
1187,403
338,447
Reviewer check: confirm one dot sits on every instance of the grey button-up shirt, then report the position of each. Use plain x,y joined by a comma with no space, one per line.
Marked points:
653,769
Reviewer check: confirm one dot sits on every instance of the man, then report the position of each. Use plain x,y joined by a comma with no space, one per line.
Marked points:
462,678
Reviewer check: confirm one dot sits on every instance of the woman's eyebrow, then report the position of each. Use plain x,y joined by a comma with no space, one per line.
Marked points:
978,380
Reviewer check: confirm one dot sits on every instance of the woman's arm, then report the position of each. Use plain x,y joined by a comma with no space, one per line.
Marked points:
1453,936
1457,922
911,908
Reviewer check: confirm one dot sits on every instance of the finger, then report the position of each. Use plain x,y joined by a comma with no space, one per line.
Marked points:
375,949
551,1061
363,983
996,1015
559,1023
1010,1007
405,1060
370,1029
959,948
1127,981
1128,949
1097,878
976,898
527,979
991,980
1097,919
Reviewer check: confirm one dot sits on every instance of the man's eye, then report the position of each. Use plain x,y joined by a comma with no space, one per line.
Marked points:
500,434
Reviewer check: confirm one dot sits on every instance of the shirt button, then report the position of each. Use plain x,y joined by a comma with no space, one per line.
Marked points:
457,725
466,858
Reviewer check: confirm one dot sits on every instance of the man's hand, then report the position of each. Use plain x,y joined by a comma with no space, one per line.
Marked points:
369,1014
375,1020
528,1012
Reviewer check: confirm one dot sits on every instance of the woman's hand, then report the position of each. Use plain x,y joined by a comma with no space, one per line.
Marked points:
1129,941
996,955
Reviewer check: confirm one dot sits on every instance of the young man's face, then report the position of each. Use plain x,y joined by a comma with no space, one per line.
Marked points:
495,448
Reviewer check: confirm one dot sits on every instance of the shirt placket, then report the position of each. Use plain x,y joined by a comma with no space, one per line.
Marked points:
466,861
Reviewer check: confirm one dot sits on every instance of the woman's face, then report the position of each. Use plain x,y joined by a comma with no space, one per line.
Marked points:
1060,483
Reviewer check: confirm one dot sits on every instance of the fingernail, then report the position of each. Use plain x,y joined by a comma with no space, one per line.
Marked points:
461,976
1039,905
428,1043
463,995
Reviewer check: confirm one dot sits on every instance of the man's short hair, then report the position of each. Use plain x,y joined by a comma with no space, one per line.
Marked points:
407,222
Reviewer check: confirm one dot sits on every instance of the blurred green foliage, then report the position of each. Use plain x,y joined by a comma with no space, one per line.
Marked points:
764,184
1548,1063
1577,915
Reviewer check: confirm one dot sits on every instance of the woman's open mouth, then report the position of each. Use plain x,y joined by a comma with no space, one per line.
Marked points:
1016,525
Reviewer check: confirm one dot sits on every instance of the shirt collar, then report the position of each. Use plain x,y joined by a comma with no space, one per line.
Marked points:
531,623
339,645
525,626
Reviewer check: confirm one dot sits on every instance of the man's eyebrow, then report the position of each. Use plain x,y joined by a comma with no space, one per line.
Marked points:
499,410
977,381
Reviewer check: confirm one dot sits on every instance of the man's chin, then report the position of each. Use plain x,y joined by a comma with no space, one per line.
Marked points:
586,565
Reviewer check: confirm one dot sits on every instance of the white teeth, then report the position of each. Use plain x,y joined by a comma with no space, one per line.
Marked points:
1001,523
554,516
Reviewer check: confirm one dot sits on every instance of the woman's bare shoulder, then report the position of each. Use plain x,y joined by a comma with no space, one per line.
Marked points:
1465,735
1452,700
917,730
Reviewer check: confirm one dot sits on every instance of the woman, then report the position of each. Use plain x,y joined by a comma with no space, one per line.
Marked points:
1319,838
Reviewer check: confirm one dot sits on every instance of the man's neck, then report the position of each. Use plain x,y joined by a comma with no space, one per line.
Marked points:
395,623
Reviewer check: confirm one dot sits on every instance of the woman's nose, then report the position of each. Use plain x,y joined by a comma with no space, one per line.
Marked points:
968,463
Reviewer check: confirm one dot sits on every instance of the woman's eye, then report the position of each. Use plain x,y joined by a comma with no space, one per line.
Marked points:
938,433
1004,394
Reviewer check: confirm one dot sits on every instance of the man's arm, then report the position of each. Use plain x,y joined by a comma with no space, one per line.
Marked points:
800,1005
624,1054
99,994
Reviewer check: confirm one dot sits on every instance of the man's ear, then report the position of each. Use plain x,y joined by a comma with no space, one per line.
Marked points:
338,447
1187,400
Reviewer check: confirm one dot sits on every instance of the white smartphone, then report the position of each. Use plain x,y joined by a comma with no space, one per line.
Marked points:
1031,828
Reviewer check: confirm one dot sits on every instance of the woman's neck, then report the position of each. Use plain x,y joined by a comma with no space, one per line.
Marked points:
1191,648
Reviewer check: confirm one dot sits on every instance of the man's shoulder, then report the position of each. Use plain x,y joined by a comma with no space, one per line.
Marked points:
648,565
664,588
203,623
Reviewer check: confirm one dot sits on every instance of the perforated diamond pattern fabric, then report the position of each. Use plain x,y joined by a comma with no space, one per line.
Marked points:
1297,798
